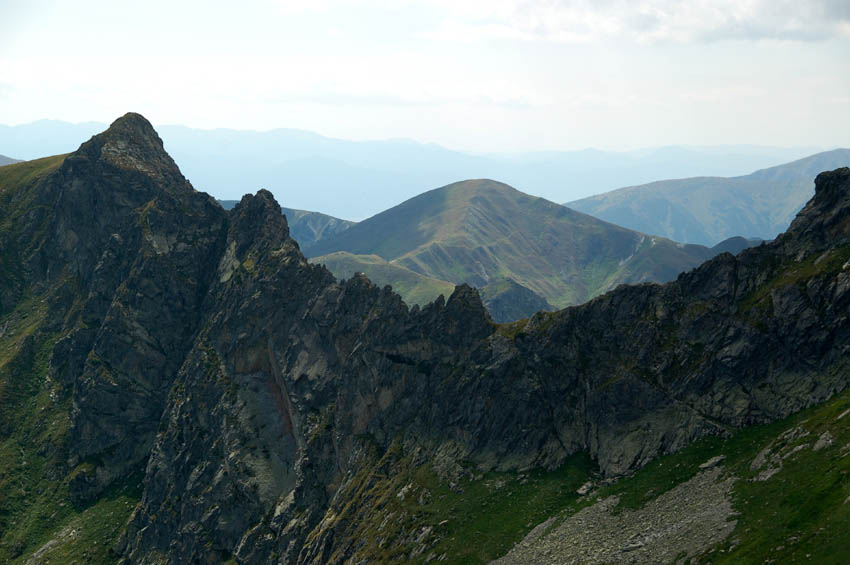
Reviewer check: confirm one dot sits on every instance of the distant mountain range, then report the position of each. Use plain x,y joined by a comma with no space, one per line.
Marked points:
7,160
356,179
483,233
706,210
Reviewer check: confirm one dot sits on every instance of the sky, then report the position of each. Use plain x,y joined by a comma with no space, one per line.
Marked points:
475,75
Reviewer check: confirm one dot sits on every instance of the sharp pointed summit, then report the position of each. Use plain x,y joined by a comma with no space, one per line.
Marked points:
132,144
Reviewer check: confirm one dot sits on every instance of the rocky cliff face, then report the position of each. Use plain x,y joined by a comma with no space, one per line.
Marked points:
347,369
120,244
305,227
258,388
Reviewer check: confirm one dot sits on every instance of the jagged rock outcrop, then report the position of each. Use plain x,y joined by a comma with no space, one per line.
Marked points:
125,253
256,386
641,371
306,227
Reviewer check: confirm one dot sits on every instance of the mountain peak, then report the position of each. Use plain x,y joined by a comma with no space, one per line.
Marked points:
831,186
131,144
823,221
475,186
257,220
135,127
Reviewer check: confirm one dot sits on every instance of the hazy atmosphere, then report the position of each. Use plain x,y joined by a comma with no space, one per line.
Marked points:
425,281
479,76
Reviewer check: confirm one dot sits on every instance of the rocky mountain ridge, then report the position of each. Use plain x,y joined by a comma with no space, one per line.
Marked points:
306,227
268,402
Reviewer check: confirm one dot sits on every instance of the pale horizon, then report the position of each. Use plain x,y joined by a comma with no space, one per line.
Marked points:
635,149
508,76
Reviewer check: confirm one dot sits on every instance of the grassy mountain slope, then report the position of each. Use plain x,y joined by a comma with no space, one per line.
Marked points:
505,299
35,502
120,205
413,287
15,204
482,231
306,227
706,210
797,511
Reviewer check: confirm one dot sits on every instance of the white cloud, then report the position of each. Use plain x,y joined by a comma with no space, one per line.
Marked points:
503,74
652,21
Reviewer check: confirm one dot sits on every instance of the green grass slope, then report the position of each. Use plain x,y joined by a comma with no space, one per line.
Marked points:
482,231
413,287
505,300
36,512
14,180
707,210
799,513
16,202
403,512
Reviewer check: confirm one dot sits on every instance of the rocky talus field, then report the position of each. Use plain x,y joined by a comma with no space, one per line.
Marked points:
179,385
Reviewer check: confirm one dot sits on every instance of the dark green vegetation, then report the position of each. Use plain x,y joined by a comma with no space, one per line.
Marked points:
35,503
16,206
706,210
481,232
279,414
17,178
800,513
395,505
487,513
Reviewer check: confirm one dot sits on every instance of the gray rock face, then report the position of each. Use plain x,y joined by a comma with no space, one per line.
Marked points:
127,251
305,227
257,386
678,525
638,372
